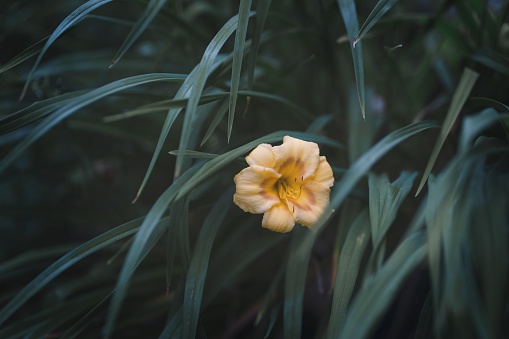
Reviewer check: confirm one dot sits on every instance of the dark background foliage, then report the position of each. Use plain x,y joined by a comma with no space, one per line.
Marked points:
386,264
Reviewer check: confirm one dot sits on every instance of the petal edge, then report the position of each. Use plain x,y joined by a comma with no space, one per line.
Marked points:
255,189
278,219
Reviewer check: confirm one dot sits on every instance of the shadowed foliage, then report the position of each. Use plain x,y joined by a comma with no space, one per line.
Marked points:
123,123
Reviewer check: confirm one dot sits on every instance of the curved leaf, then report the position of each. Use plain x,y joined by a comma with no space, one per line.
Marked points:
347,271
25,55
362,165
153,7
262,8
238,53
148,233
203,70
380,9
349,14
73,18
65,262
79,102
197,272
461,94
378,292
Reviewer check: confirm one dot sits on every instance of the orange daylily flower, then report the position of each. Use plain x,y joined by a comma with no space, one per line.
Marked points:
289,184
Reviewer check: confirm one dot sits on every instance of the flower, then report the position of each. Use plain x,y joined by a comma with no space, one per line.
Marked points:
288,183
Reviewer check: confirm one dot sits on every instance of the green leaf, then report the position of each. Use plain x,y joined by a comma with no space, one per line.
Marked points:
38,324
74,18
171,116
194,154
298,111
361,132
222,274
35,112
179,103
65,262
269,297
473,125
153,7
493,60
32,256
25,55
160,106
238,53
380,9
296,269
262,9
362,165
349,211
379,290
203,69
79,102
197,272
319,123
488,102
347,271
148,233
461,94
182,232
221,111
349,14
385,198
468,263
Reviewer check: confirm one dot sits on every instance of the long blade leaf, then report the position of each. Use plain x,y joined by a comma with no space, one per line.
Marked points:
349,14
73,18
378,292
65,262
238,53
380,9
204,68
199,264
262,9
148,230
153,7
347,271
80,102
461,94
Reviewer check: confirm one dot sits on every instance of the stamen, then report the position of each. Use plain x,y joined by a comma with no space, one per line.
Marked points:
291,190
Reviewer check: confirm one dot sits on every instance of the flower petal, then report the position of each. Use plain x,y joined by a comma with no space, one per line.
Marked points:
256,189
323,174
262,155
296,159
313,201
278,219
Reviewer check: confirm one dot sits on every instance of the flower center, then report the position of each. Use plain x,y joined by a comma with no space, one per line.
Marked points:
289,189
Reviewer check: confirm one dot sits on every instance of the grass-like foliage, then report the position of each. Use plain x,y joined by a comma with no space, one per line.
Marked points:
123,124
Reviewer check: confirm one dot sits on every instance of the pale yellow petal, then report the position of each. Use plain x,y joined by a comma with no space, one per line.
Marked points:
256,189
262,155
278,219
311,204
323,174
296,159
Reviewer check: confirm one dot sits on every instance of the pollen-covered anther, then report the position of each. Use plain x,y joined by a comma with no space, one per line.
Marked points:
289,189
